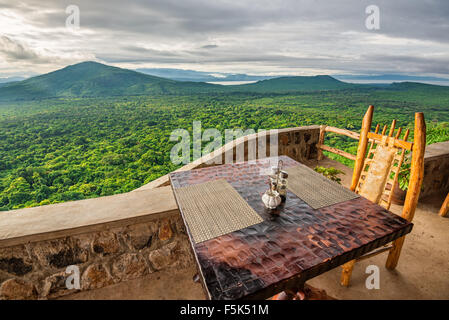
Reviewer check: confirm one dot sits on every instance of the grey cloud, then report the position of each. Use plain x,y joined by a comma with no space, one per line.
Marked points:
409,64
367,64
139,50
13,50
289,34
209,46
176,18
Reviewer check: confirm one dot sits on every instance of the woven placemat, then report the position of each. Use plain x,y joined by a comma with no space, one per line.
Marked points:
214,208
315,189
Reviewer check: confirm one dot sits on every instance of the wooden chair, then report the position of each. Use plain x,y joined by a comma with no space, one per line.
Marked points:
376,173
445,207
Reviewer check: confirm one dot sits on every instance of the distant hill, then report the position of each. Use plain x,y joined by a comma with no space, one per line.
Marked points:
11,79
199,76
90,79
289,84
389,78
407,85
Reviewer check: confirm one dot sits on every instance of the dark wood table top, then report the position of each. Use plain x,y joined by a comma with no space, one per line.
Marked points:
286,250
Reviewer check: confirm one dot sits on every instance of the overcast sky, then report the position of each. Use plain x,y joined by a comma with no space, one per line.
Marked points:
256,37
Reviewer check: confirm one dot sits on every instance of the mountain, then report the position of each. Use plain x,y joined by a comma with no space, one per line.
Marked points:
7,81
91,79
11,79
388,78
417,87
301,84
199,76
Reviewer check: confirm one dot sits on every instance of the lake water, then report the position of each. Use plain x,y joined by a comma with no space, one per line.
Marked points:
438,83
230,83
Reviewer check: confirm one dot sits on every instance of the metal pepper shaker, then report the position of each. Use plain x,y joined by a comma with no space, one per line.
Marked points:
282,185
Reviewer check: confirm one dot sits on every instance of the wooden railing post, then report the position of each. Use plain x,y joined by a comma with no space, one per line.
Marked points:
321,142
361,149
414,186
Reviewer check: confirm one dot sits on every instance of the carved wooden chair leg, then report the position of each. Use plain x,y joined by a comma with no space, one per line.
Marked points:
445,207
414,186
346,273
394,254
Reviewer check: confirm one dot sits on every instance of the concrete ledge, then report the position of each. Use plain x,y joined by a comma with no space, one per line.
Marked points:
76,217
435,150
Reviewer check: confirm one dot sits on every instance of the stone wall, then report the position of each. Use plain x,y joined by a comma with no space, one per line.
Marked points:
299,145
38,270
436,169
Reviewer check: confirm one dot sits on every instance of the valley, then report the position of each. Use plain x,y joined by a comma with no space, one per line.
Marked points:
80,134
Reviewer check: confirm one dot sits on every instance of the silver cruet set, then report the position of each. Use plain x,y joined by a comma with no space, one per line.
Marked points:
277,192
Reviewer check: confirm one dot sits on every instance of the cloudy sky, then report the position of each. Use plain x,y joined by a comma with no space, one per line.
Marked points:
301,37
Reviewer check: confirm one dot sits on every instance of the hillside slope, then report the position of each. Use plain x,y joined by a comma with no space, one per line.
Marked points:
291,84
91,79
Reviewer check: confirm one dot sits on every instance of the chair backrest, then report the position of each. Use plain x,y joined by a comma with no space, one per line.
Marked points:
382,165
376,172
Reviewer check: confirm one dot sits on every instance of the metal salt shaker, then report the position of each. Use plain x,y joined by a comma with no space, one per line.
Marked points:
282,185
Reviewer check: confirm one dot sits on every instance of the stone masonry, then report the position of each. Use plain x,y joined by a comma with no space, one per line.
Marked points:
436,169
38,270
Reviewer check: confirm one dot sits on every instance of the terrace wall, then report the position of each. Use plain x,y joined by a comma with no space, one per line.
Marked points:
436,169
110,239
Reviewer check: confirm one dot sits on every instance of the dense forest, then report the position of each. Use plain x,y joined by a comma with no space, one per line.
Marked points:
61,149
70,149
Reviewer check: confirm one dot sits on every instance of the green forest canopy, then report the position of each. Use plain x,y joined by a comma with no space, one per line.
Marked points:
65,149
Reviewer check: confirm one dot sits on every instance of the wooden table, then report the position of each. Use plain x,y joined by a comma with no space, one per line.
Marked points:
283,251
